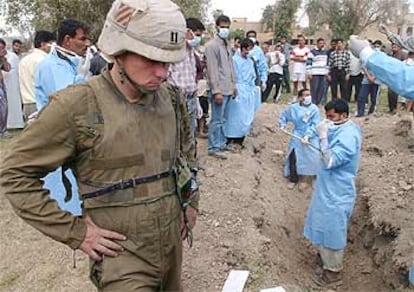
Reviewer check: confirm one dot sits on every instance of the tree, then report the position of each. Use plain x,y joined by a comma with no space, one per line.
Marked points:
30,15
346,17
281,17
238,32
268,17
194,8
217,13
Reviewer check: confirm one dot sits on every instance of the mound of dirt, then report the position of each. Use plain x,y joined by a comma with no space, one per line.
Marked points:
250,220
387,184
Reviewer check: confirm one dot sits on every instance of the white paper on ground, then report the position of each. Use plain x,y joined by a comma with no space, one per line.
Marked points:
276,289
235,281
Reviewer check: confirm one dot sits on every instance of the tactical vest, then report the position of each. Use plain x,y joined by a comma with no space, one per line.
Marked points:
124,141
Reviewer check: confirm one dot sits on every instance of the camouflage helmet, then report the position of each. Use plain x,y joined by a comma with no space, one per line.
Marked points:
154,29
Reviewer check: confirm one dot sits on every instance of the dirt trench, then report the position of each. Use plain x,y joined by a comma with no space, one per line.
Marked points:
257,223
250,220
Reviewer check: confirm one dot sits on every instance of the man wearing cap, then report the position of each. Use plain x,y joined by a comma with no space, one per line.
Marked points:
126,136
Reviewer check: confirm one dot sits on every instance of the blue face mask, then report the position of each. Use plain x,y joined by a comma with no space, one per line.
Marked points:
194,42
224,32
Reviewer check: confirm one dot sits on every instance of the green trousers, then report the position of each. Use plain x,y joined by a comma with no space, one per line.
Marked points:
152,256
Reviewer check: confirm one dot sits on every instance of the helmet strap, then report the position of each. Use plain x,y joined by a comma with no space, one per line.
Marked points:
125,77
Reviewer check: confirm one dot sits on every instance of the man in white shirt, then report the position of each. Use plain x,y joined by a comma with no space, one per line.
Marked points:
299,55
275,61
355,77
27,66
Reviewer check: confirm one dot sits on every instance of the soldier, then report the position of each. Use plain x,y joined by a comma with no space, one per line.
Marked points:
126,136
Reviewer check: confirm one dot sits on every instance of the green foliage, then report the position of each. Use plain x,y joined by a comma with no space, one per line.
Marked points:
30,15
237,33
268,17
194,8
347,17
217,13
281,17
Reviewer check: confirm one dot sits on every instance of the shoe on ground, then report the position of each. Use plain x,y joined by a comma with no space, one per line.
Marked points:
230,148
291,185
6,135
217,155
303,186
327,279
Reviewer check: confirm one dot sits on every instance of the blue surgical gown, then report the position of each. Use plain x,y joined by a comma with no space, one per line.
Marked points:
304,119
53,74
241,110
261,63
334,195
394,73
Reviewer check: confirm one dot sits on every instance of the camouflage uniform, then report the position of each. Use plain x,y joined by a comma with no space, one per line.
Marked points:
92,129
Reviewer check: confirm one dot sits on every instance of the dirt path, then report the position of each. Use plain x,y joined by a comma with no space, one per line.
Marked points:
249,220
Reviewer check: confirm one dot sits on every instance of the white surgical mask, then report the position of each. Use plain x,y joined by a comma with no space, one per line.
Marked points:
253,40
194,42
335,125
224,32
307,100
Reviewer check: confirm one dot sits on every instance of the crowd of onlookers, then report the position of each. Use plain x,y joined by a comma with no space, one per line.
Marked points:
334,68
211,75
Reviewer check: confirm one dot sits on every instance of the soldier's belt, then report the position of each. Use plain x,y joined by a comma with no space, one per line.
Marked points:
122,185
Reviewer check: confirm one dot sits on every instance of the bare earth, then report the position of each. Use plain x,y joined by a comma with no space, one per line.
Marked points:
250,220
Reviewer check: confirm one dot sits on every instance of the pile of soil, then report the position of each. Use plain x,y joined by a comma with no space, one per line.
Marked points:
250,220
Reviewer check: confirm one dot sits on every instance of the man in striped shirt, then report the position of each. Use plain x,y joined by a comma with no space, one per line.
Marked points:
317,70
339,70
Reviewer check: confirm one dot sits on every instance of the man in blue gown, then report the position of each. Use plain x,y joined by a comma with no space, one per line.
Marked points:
241,109
302,160
334,196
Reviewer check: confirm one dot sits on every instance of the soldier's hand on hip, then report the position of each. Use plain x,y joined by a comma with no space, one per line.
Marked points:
98,241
